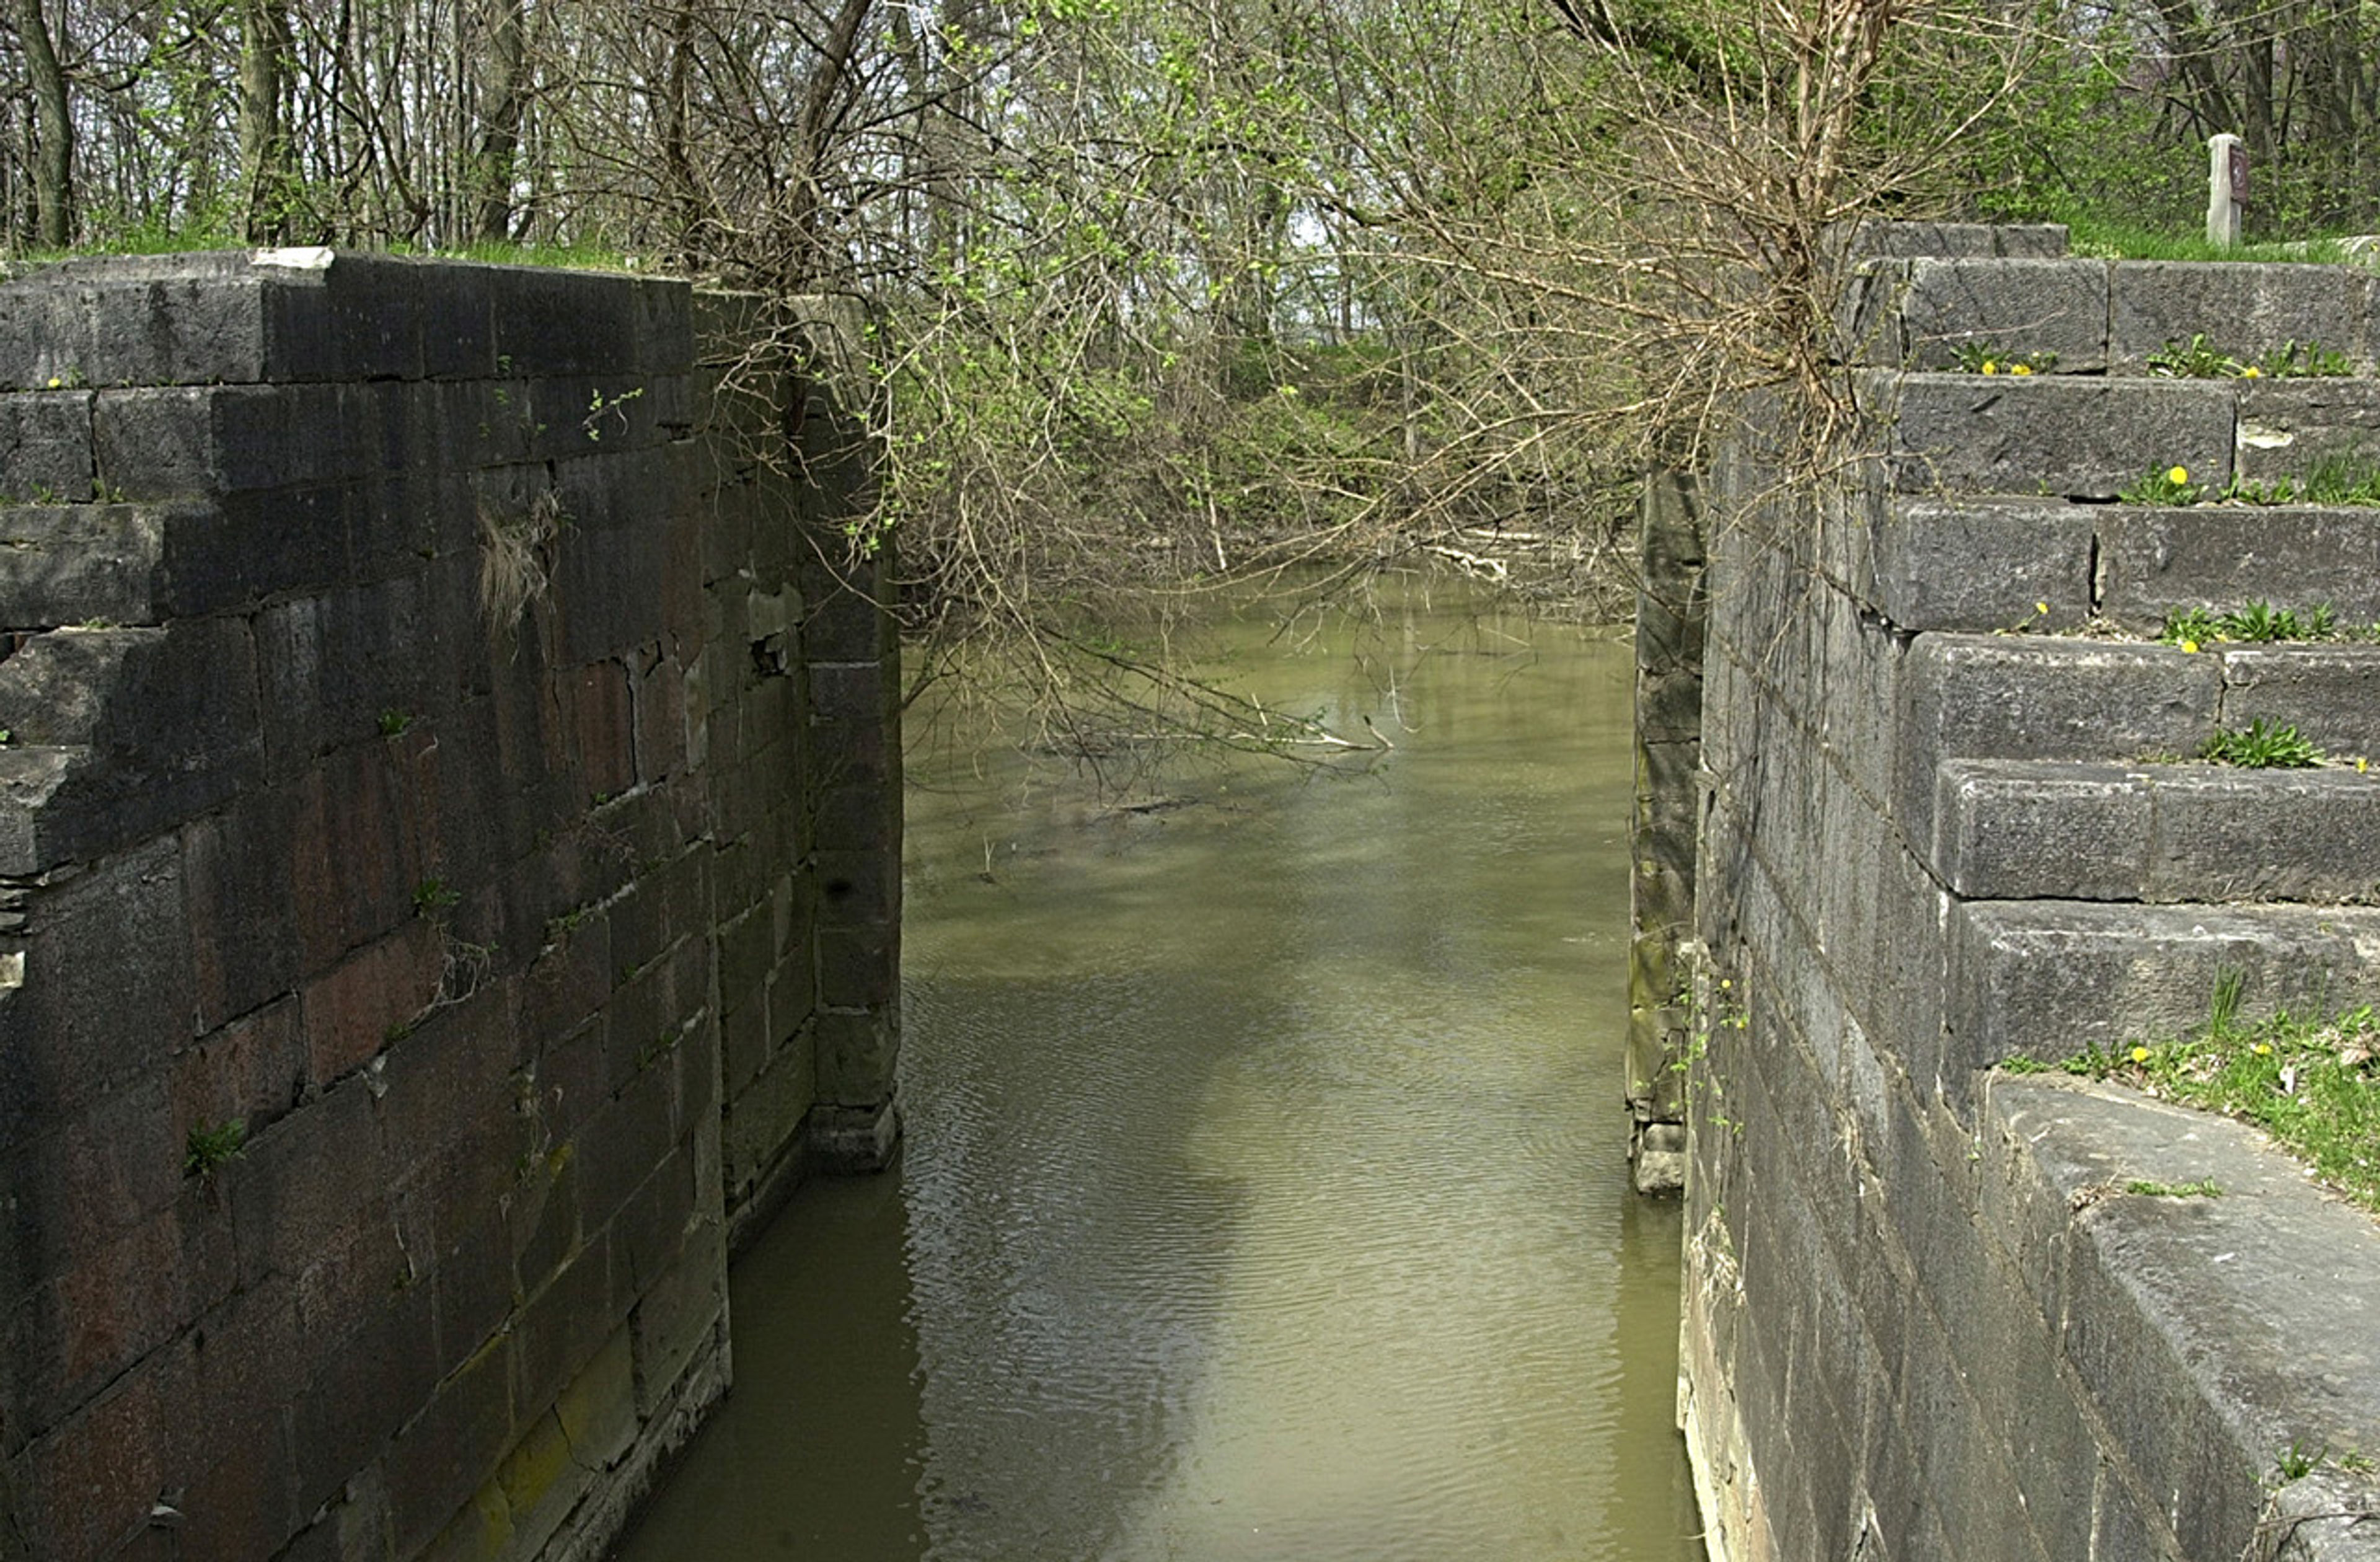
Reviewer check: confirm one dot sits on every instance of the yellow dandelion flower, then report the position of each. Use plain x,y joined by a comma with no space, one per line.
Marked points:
2361,764
2262,1049
55,382
2190,646
2019,367
2140,1055
2178,476
1990,366
2252,373
2041,609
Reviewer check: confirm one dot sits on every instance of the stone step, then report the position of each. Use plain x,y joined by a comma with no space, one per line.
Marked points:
2051,435
2047,979
2046,697
2102,316
79,564
56,691
156,726
35,836
1987,562
2080,438
2212,1333
2034,829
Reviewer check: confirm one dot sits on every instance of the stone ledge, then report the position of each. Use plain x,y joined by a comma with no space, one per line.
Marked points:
2210,1334
2016,830
2246,311
2046,979
2070,437
2153,560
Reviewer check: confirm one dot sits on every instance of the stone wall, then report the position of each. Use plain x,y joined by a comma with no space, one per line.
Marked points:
1927,1317
437,897
1667,735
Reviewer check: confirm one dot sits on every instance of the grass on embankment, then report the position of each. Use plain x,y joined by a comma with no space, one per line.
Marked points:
566,257
2097,238
2313,1085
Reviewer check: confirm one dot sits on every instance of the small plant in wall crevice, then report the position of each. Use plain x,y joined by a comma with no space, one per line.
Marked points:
213,1146
2260,746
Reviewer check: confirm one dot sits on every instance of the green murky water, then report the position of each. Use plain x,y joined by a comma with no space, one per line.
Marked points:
1263,1194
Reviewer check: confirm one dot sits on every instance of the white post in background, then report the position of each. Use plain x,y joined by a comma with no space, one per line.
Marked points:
2227,189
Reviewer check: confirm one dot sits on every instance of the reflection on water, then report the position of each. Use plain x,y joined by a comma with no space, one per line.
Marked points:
1264,1193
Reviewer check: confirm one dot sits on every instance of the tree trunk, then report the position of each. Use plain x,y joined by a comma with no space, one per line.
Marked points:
501,119
53,131
267,178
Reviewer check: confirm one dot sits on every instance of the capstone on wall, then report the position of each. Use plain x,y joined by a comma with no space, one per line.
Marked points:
448,888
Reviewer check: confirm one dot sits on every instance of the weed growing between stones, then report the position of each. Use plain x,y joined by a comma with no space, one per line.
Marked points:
1984,358
2169,487
2335,482
2259,623
2200,358
211,1146
2148,1188
2259,746
2310,1084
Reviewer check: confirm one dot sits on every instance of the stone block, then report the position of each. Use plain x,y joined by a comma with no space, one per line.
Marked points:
857,888
2324,1517
1998,697
2330,693
2246,311
2048,979
74,564
2054,435
1964,240
107,995
2153,561
360,866
2020,306
96,1476
610,586
2023,830
858,967
625,1141
2234,835
44,819
254,1069
174,710
2204,1328
1986,564
597,1411
195,442
848,1140
557,1331
649,1230
361,1386
289,1205
2293,428
458,1117
553,321
765,1119
131,1283
133,320
244,945
539,1482
681,1322
855,1058
1868,314
445,1455
46,448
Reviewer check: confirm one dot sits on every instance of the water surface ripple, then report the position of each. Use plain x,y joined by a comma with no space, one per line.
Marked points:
1263,1194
